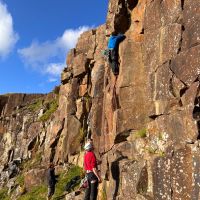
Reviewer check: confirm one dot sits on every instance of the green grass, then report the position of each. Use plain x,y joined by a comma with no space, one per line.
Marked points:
64,178
40,192
4,191
3,194
141,133
20,180
32,163
38,158
52,107
37,193
151,150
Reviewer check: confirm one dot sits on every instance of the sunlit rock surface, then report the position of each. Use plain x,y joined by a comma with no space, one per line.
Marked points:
144,122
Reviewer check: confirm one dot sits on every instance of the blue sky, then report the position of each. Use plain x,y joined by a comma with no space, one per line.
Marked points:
35,36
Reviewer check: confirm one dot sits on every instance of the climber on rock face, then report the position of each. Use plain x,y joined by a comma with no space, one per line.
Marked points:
113,46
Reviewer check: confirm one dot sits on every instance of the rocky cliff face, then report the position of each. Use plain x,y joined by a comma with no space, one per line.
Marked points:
14,118
144,122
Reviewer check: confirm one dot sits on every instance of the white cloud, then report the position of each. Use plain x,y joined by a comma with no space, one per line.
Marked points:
46,57
70,36
54,69
8,37
38,54
51,80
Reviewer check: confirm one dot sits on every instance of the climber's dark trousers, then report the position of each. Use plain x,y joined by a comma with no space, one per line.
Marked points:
114,61
92,190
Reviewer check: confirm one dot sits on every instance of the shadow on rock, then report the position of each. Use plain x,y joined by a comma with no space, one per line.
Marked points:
115,170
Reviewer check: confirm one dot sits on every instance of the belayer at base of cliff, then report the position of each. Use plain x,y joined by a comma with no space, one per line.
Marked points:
90,166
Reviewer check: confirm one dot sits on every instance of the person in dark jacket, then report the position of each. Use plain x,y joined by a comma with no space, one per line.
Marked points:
113,46
51,181
90,166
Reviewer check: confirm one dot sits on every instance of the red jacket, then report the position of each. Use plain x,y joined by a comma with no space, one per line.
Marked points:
90,161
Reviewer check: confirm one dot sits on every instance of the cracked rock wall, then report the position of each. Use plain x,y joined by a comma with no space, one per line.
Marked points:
145,121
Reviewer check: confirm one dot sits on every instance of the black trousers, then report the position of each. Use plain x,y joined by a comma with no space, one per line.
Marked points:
113,60
92,191
51,190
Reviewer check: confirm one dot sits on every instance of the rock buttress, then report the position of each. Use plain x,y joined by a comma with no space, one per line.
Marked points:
144,122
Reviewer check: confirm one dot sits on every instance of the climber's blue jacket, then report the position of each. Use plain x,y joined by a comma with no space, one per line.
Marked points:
114,41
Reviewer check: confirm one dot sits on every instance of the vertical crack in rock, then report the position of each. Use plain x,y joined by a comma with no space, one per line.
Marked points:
181,40
115,171
43,139
182,4
95,41
183,91
172,191
56,140
198,127
89,82
32,143
10,155
132,4
142,31
196,112
122,19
